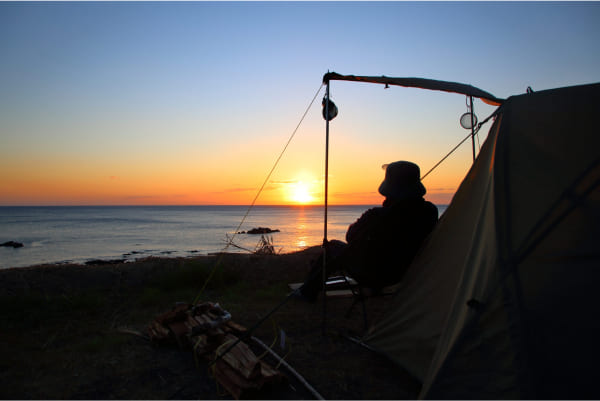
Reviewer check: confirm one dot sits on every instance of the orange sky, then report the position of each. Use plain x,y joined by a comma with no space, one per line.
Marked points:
230,178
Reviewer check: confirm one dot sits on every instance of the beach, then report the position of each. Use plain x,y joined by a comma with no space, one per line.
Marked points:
67,330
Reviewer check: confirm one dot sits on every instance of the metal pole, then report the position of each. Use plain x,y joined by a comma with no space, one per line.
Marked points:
472,127
326,161
325,200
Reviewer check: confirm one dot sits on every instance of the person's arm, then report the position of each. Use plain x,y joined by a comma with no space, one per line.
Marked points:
361,228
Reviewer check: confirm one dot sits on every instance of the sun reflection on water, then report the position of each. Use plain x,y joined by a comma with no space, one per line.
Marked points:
301,243
301,229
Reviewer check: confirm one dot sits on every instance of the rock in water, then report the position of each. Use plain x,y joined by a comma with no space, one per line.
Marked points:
261,230
13,244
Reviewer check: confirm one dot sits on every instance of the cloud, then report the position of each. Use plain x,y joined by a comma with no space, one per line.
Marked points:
150,197
234,190
441,190
354,194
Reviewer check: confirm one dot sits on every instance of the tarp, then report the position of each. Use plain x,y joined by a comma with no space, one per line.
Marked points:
422,83
502,300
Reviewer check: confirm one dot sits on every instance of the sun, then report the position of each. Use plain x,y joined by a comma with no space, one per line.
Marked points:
300,193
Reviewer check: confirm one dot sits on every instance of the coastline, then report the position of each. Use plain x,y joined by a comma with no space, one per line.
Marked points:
82,234
62,335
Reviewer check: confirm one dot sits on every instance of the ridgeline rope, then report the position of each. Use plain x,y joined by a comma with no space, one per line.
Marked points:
230,239
460,143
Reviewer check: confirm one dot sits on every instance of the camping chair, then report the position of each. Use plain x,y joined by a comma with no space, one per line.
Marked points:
344,285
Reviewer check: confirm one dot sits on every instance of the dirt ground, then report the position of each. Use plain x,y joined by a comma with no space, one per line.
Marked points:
66,331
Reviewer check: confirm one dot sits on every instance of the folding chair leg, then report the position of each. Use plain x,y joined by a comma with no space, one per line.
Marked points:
364,307
358,296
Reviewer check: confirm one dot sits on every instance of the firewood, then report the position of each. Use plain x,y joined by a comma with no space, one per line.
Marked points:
200,345
179,331
269,374
241,358
160,329
231,379
176,314
237,328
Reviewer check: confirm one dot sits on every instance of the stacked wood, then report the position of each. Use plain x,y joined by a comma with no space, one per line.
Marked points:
209,331
241,373
185,321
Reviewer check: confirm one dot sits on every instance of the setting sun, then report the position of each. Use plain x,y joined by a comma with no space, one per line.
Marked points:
300,193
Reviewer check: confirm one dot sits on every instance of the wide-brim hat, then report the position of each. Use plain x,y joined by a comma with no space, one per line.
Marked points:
402,181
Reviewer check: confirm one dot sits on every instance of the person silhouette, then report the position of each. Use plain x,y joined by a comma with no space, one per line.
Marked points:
381,244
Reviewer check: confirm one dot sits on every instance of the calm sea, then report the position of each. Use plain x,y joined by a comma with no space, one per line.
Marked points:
83,233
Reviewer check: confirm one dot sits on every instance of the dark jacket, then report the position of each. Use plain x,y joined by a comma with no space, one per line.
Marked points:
384,240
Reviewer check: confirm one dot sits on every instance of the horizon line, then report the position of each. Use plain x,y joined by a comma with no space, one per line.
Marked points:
207,204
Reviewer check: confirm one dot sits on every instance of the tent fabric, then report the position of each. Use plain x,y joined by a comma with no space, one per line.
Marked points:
502,300
422,83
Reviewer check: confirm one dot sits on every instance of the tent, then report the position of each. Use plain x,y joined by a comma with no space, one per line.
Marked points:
503,299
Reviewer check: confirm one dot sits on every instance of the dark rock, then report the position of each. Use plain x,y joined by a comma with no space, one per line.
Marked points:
104,262
260,230
13,244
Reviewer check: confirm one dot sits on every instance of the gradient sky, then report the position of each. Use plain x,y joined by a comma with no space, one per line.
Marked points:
191,103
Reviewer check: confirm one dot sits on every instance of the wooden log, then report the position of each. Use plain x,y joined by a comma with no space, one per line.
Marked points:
200,345
216,334
206,321
154,336
179,331
268,373
201,319
237,328
269,376
201,308
241,358
238,385
176,314
191,323
232,381
198,325
158,331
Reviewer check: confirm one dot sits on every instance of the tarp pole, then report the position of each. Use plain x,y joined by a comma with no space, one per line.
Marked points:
472,127
325,207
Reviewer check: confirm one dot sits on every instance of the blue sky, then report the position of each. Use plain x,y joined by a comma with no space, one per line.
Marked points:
149,91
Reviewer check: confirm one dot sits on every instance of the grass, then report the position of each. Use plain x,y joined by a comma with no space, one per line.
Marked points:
192,274
38,310
185,282
106,342
60,339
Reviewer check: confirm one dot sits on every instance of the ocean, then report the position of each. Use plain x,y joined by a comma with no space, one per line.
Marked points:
78,234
